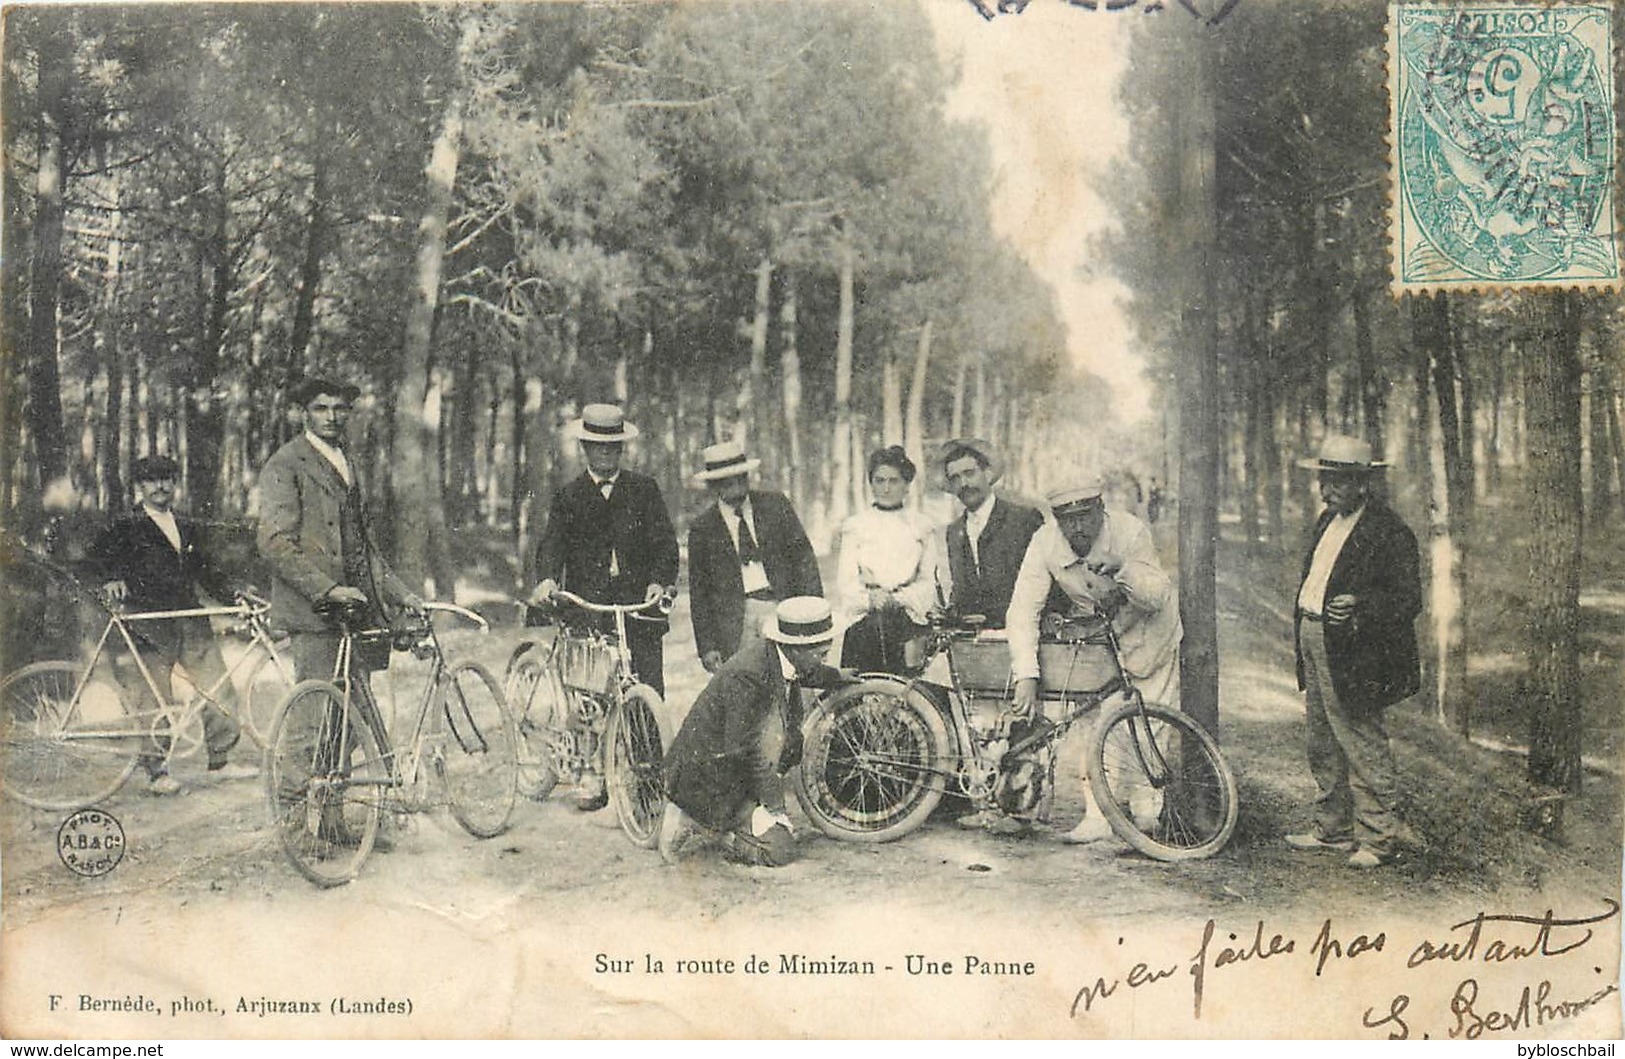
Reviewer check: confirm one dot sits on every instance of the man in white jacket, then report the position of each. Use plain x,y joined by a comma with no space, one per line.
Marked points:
1104,562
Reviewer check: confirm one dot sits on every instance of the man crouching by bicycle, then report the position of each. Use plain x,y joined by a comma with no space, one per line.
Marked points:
725,770
1105,562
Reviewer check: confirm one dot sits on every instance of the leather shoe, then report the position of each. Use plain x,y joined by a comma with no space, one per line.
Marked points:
677,830
1313,841
163,784
1368,858
591,795
1089,829
976,821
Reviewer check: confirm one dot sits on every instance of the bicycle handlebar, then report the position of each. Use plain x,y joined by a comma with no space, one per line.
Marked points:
461,612
663,604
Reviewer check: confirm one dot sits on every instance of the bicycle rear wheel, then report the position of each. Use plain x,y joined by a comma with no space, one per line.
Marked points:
268,684
1161,782
634,769
58,750
540,708
875,762
481,761
324,780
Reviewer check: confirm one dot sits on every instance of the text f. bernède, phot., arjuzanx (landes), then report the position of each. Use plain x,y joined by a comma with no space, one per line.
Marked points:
260,1007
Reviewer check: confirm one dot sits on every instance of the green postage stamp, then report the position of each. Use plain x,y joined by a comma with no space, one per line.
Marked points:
1502,134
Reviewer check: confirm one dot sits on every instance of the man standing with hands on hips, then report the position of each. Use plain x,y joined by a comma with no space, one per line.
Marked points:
609,540
746,552
1357,604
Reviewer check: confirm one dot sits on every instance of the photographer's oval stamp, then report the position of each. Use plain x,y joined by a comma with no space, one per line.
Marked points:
90,842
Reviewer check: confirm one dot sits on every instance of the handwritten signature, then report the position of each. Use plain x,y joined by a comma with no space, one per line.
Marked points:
1486,938
1220,9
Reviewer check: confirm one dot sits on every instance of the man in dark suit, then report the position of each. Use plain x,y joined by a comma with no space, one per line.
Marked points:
988,542
151,561
725,770
746,552
1357,604
609,540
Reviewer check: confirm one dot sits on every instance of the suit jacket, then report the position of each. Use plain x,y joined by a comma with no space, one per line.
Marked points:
717,768
985,587
715,585
1373,656
134,550
300,536
584,529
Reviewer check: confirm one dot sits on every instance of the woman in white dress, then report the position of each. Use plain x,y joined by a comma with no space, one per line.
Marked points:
890,567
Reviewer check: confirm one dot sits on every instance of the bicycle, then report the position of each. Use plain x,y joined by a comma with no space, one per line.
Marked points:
880,754
578,701
71,740
331,769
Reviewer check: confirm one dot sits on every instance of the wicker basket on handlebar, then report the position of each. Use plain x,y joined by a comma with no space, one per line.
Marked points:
982,667
586,663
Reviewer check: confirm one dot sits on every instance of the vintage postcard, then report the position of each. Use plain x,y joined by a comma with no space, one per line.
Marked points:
1190,427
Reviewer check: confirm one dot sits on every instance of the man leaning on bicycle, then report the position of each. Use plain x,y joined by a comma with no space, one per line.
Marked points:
1105,562
150,561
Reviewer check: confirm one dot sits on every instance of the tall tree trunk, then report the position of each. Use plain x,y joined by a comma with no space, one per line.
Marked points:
417,484
1451,504
956,420
1600,397
914,418
113,454
1197,378
844,473
891,401
45,274
795,478
310,266
1551,371
205,409
754,409
1371,380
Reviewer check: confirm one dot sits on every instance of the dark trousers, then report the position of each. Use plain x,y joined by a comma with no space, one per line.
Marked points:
876,642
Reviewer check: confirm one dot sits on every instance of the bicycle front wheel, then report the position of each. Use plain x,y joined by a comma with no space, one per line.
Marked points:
481,760
269,679
537,700
1161,782
634,766
875,762
324,780
60,750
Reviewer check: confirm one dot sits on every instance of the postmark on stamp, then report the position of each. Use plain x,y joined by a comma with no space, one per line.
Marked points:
90,842
1502,136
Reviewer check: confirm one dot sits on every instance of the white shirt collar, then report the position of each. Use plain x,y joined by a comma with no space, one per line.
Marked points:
785,667
333,454
601,482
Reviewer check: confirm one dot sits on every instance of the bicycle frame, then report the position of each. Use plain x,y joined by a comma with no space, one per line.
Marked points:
251,614
425,716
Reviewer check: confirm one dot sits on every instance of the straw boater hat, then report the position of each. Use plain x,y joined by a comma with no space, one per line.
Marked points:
1078,495
725,459
984,449
800,620
602,422
1340,452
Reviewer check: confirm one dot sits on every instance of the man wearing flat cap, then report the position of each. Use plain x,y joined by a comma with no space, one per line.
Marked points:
1358,599
151,561
988,542
725,770
746,552
313,532
609,539
1102,562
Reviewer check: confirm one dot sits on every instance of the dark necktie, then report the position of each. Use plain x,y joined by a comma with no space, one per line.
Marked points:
790,754
748,551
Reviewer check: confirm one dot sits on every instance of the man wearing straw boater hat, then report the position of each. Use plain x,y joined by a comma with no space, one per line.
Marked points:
1358,599
746,552
987,543
725,770
1097,561
609,540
